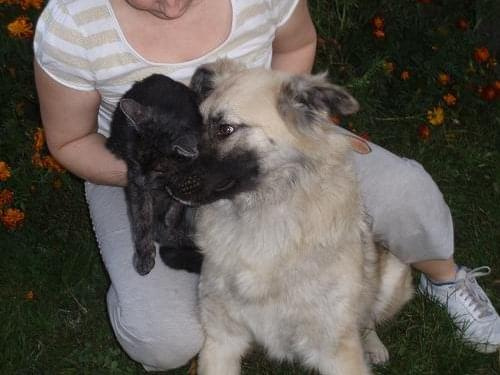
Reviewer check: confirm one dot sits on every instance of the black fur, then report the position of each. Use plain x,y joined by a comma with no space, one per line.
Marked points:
156,130
202,82
156,124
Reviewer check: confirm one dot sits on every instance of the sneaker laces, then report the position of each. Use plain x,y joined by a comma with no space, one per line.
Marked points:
470,291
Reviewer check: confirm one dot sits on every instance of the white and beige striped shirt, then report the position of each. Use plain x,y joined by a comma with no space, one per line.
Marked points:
80,44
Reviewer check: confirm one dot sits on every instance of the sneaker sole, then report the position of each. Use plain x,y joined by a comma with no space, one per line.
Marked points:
481,348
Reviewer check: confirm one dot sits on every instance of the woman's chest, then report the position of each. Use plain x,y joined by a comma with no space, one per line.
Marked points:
203,28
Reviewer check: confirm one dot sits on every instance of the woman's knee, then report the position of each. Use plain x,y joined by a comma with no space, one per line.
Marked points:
418,196
159,340
411,216
154,318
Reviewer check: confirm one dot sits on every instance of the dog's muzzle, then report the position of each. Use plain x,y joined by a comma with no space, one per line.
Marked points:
192,191
225,185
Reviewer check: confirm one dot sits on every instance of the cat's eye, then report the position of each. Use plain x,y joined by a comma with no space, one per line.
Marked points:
225,130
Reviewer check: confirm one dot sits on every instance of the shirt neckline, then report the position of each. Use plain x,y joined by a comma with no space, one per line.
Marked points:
187,62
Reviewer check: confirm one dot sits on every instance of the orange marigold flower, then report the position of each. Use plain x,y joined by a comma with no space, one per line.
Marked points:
51,164
12,218
47,161
424,132
6,197
378,22
481,54
450,99
25,4
496,85
21,27
436,116
38,140
389,66
405,75
444,78
36,160
29,295
4,171
488,93
379,34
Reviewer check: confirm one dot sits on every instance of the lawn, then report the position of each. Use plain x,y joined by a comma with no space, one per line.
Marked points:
426,75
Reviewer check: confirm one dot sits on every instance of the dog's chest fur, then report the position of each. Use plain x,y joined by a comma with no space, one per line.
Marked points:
273,260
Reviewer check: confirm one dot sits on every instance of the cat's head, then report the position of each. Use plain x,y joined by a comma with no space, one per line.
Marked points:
161,132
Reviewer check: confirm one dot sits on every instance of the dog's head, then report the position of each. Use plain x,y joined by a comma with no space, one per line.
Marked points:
278,120
261,124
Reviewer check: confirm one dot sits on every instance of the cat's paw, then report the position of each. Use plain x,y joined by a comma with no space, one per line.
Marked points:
186,258
143,264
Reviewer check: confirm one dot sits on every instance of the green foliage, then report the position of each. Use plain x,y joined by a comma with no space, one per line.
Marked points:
64,328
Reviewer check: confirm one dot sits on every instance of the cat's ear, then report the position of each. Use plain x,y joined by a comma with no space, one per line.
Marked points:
135,112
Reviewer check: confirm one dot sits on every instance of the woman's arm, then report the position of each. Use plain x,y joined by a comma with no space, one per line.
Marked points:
70,122
294,46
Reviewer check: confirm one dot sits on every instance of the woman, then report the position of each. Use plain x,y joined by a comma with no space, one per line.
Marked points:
89,52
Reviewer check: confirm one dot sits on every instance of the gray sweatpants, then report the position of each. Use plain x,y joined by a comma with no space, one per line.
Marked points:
154,317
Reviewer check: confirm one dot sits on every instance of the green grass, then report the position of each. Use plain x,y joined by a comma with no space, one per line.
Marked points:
65,330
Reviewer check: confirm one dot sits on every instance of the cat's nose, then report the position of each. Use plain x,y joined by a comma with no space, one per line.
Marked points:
186,146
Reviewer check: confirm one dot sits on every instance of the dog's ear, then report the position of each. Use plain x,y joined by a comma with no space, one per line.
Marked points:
202,82
135,112
311,97
205,78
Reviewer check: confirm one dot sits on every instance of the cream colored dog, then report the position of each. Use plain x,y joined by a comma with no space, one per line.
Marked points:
290,263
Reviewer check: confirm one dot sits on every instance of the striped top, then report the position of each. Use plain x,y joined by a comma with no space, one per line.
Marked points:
80,44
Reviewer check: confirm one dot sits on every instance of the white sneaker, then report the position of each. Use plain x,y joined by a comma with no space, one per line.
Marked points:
469,307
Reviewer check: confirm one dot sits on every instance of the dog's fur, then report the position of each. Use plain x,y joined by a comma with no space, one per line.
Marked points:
290,263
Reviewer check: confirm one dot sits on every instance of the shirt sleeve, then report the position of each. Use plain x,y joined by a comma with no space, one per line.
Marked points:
282,10
60,48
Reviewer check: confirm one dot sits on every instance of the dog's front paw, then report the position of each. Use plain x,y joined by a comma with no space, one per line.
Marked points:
143,264
375,351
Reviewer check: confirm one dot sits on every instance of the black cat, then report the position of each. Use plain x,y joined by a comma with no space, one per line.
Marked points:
156,130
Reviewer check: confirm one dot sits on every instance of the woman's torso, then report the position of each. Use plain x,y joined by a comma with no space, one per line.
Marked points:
114,56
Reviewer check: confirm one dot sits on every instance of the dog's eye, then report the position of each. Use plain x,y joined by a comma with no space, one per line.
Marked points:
225,130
